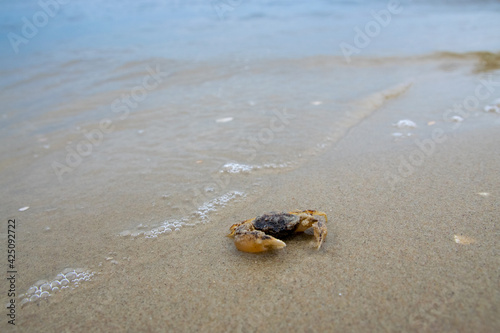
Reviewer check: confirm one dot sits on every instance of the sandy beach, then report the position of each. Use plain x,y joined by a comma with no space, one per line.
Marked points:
417,254
127,155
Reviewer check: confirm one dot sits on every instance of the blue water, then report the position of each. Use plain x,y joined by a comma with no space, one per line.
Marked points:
239,28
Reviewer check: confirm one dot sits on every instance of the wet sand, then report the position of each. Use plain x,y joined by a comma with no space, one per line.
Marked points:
413,220
390,263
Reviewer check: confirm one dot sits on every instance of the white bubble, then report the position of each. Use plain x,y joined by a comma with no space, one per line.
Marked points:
71,276
45,287
405,123
177,229
60,276
64,282
40,282
34,298
31,290
125,233
55,289
55,284
44,294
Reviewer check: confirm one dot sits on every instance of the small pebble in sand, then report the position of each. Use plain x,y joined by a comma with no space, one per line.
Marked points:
430,123
484,194
405,123
224,120
492,108
317,103
459,239
24,208
46,229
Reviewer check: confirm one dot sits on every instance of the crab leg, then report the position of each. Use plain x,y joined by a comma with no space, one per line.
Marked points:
307,221
320,232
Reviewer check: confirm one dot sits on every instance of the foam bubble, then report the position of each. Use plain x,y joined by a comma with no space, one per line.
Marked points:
405,123
45,287
40,282
201,215
224,120
232,167
212,205
71,276
68,278
31,290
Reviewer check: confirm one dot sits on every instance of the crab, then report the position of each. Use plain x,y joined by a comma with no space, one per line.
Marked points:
258,234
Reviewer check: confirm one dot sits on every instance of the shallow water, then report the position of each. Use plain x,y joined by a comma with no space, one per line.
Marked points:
120,128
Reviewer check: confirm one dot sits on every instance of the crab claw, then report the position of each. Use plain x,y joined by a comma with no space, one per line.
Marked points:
256,241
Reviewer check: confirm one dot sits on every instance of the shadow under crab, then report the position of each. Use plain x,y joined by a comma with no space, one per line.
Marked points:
261,233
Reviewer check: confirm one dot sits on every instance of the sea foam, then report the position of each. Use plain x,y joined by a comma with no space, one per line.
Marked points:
69,278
